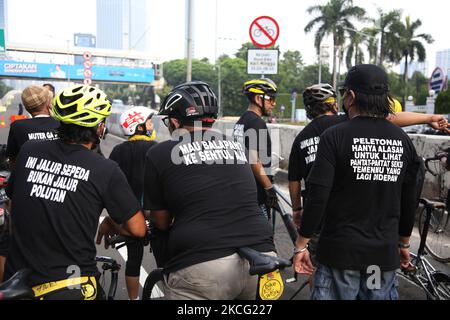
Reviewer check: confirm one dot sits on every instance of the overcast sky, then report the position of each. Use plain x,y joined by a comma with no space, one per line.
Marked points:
54,21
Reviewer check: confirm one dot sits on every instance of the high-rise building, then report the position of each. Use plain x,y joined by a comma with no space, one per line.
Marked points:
2,14
415,66
443,60
122,24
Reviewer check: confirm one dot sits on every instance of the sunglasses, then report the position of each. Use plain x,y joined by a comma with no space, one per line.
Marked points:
342,91
272,99
166,121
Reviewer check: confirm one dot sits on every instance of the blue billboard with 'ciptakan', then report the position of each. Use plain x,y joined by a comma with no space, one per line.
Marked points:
75,72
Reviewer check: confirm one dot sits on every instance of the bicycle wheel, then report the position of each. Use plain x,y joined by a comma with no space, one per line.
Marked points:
438,238
152,287
442,286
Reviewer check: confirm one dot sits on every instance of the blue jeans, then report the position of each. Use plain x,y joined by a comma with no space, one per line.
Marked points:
335,284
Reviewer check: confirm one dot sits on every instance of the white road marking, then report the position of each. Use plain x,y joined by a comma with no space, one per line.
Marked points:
157,292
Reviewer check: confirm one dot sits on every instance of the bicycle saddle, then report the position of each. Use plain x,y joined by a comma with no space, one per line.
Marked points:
16,287
261,263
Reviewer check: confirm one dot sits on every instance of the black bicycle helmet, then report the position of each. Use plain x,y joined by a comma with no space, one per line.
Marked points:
190,100
263,86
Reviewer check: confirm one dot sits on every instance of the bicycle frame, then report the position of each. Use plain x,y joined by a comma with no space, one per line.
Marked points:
422,274
292,231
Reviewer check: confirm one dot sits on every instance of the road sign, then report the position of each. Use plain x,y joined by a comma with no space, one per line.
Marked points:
2,41
262,61
264,31
438,80
87,68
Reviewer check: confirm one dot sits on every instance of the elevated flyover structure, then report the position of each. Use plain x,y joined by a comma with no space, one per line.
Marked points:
67,64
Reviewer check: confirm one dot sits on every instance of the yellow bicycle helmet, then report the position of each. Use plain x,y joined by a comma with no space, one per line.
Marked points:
396,105
81,105
260,86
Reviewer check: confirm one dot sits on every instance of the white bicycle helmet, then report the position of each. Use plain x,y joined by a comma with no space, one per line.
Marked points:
318,93
130,119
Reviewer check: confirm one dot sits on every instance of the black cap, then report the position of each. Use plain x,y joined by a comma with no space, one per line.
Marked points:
367,79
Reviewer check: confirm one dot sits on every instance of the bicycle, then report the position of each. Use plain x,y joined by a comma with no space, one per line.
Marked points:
436,284
17,288
292,232
438,239
265,266
257,32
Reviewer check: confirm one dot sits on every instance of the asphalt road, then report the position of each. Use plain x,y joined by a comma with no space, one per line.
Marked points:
407,290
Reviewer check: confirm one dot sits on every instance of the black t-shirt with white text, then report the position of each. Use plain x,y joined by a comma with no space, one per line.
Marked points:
130,156
304,148
367,163
251,130
58,193
208,186
40,128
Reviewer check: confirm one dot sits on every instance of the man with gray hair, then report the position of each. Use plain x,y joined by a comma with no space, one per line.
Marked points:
38,102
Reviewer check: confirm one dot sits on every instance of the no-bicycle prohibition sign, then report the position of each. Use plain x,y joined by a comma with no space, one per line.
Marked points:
264,31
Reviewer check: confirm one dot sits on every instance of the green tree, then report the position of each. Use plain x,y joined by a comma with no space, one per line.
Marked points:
233,75
175,71
242,52
443,103
310,74
354,54
334,19
290,72
384,26
418,87
408,46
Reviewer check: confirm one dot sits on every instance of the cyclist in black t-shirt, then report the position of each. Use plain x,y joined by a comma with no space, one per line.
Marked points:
38,102
321,107
252,131
363,185
201,187
136,123
58,193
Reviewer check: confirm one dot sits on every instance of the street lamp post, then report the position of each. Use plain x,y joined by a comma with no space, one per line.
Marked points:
189,41
219,72
68,62
323,54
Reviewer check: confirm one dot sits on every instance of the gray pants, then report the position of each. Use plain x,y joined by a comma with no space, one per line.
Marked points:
226,278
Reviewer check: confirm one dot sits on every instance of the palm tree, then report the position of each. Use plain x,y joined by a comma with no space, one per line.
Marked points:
383,26
408,45
354,50
334,19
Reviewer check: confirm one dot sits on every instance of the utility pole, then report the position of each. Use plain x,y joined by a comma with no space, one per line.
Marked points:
189,41
68,62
